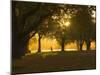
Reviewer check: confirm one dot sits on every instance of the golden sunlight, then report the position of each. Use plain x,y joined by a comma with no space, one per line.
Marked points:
48,45
67,23
94,14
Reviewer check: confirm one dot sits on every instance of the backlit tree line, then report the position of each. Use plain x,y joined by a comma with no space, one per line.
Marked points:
66,23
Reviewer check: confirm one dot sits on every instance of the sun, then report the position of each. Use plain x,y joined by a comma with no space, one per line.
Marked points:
67,23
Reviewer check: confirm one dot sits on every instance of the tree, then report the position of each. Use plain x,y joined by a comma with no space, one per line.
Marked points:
83,26
27,17
19,35
63,28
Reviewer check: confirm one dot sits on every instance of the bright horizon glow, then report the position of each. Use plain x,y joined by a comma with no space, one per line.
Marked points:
47,43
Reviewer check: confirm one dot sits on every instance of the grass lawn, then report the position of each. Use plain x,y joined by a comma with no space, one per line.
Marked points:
55,61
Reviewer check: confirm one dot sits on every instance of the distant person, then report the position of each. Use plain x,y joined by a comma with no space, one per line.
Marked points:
51,49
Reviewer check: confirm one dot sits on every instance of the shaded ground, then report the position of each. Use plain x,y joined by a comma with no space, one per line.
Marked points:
55,61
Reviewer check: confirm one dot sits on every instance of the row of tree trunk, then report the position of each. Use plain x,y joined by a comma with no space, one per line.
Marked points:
79,44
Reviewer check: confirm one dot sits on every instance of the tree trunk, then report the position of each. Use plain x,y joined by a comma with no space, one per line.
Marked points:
81,44
88,44
63,44
39,43
19,47
78,45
